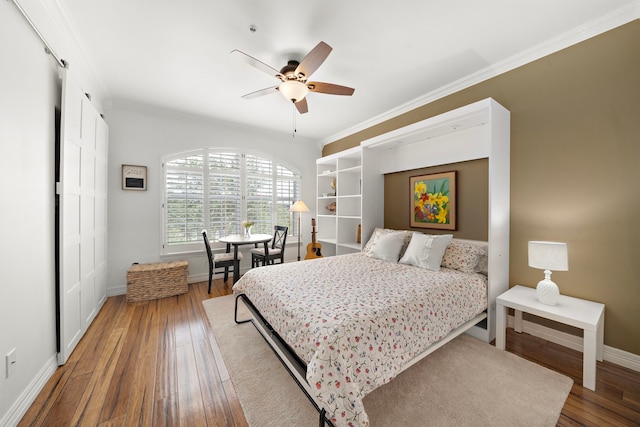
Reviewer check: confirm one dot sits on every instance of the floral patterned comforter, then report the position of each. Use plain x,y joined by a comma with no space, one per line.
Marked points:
356,321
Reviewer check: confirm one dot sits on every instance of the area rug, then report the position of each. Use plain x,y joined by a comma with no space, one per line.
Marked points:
465,383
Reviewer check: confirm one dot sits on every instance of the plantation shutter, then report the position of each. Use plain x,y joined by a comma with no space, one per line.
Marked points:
225,194
259,193
287,192
184,200
216,189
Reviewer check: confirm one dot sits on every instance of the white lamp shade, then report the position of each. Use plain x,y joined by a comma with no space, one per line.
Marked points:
299,206
549,256
293,90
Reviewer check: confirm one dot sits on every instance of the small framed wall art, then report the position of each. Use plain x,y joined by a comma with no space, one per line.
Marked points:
433,201
134,177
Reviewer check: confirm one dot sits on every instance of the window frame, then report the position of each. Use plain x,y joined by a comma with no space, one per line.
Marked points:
275,178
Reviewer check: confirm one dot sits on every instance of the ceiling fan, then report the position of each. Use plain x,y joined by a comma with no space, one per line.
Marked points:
294,84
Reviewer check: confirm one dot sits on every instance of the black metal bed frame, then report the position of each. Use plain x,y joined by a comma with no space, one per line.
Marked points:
263,327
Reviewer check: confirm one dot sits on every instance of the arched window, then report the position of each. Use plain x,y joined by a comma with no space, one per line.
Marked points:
216,189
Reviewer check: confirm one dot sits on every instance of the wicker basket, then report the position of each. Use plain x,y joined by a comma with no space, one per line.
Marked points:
159,280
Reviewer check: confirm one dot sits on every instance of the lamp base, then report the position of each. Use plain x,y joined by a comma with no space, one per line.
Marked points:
547,292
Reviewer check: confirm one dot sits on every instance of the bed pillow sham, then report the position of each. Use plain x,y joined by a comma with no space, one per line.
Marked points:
388,246
378,232
426,250
464,256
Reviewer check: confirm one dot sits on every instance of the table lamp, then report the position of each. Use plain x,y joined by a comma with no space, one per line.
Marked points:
299,207
548,256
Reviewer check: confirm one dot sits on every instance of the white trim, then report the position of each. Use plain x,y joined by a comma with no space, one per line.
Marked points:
29,394
579,34
574,342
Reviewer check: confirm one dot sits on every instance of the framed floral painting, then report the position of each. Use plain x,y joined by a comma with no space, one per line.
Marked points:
433,201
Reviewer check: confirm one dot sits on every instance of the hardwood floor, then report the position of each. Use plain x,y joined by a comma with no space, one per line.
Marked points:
157,363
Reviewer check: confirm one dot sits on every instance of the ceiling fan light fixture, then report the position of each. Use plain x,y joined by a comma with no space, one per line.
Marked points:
293,90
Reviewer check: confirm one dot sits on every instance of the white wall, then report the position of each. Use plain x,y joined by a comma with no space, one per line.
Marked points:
29,93
142,136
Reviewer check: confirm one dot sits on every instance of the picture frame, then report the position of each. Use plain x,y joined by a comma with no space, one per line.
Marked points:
134,177
433,201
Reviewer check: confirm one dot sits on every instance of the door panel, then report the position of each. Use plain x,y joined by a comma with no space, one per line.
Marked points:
83,191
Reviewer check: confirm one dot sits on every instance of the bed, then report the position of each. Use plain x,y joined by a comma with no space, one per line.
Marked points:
348,324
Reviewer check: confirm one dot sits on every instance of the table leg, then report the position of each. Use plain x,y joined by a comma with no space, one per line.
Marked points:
501,326
589,360
600,338
517,320
236,264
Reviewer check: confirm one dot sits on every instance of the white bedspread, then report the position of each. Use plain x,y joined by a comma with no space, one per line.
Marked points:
356,321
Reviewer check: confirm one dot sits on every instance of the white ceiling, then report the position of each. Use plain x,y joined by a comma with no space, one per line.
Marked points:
176,54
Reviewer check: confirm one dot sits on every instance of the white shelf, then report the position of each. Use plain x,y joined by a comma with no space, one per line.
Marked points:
330,241
340,229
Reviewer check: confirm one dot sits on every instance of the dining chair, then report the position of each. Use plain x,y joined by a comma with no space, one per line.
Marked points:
221,260
276,249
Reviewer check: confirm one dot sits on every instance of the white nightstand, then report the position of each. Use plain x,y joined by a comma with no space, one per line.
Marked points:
586,315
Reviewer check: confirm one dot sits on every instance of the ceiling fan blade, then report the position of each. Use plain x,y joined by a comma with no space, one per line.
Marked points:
330,88
256,63
261,92
313,60
302,106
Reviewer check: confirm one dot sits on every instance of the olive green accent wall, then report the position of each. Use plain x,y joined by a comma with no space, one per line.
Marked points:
575,168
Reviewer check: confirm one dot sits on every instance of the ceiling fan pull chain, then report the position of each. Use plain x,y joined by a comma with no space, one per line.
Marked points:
293,110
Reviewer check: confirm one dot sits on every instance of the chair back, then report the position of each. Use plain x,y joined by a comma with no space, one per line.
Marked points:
279,237
208,247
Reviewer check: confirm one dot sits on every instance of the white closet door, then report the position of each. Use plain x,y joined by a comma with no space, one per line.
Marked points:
83,230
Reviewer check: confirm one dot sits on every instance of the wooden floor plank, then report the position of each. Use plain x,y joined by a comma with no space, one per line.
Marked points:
166,383
90,406
139,411
190,399
217,411
43,405
158,363
120,384
166,412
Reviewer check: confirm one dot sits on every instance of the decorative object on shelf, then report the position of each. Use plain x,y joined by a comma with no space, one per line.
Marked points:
433,201
328,194
134,177
334,186
299,207
548,256
247,227
331,207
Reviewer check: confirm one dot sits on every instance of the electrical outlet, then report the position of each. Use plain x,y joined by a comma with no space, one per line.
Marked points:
11,361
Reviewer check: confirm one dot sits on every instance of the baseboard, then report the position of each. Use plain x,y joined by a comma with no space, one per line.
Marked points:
27,397
610,354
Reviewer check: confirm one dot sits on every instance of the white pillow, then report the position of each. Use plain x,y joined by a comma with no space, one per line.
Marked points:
388,246
381,232
426,251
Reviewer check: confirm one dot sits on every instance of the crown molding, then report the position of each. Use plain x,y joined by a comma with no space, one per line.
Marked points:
574,36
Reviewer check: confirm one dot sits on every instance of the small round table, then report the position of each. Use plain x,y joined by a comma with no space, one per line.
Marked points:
239,239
